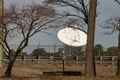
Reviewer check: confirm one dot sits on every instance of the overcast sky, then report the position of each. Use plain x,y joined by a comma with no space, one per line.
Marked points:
105,9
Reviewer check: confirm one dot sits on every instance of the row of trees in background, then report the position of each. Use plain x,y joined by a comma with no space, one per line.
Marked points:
68,51
43,52
99,50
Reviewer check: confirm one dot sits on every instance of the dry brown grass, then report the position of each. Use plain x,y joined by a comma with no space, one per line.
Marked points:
63,78
33,71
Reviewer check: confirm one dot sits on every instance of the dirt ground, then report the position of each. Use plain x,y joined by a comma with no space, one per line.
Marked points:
33,70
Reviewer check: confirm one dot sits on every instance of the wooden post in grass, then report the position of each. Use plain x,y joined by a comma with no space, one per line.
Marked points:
38,59
24,59
52,60
32,68
101,59
63,63
113,59
77,59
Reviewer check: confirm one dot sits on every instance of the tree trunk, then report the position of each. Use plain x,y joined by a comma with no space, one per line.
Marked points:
118,55
118,64
90,62
1,33
12,58
9,68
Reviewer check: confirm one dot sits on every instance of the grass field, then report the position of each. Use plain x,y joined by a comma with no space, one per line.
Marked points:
31,70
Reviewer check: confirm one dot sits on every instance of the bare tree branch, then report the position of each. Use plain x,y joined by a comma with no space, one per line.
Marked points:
118,1
24,22
80,6
113,24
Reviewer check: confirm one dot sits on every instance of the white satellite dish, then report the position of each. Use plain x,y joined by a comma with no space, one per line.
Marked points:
72,37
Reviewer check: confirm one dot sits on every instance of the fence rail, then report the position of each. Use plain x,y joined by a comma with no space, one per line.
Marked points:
98,59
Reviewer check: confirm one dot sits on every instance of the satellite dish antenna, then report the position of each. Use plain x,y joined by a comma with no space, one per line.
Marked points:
72,37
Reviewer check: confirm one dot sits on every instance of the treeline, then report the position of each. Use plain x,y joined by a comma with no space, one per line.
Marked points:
99,51
42,52
72,51
66,50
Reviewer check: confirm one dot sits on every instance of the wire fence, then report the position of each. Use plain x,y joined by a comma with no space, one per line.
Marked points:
98,59
34,66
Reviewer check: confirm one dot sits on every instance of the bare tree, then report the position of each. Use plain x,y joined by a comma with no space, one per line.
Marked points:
80,11
113,25
24,22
